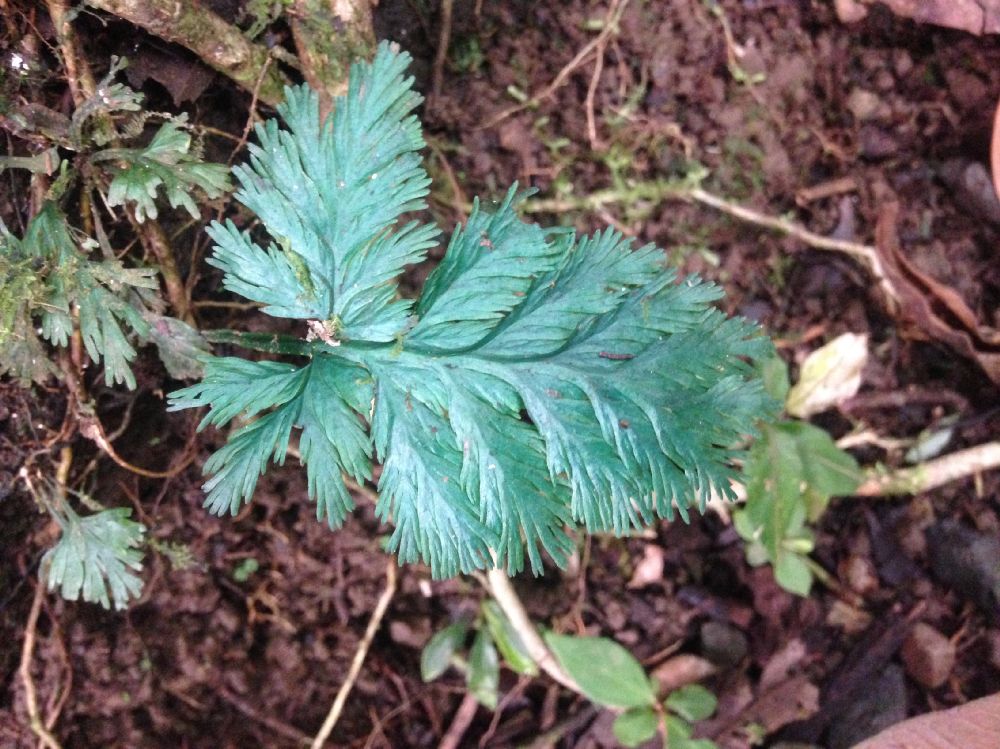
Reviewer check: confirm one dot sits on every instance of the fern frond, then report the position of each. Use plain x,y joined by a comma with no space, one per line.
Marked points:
542,380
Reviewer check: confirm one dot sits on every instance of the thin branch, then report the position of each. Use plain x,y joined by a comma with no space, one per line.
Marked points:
444,40
359,656
27,654
933,473
610,27
460,723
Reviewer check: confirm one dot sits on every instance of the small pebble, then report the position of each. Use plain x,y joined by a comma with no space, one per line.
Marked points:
928,655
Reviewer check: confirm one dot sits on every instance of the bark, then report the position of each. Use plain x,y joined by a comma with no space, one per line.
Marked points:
329,36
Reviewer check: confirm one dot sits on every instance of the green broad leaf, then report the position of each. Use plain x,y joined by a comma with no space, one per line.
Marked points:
483,675
791,572
678,732
793,470
437,653
693,702
636,726
606,672
774,374
508,640
96,555
541,380
168,163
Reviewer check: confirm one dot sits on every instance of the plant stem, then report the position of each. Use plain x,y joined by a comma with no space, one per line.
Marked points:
499,586
27,653
359,656
932,474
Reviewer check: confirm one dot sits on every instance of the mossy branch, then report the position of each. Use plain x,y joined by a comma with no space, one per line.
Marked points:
218,43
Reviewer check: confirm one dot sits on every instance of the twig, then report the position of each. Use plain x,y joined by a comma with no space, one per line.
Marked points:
933,473
444,39
27,653
359,657
656,191
610,27
91,428
499,586
279,727
460,723
595,79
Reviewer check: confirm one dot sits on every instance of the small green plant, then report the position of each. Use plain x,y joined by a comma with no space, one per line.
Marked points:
792,471
495,641
540,378
611,677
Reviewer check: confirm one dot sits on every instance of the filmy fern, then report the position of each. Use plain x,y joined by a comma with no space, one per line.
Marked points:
540,379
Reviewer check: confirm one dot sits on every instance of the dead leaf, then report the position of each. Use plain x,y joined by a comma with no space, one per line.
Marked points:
649,570
975,725
829,376
185,78
933,310
681,670
975,16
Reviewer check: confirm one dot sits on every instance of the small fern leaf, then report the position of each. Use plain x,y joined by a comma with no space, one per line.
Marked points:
95,555
332,190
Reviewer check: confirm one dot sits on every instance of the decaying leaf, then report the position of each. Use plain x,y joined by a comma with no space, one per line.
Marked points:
933,310
830,375
975,16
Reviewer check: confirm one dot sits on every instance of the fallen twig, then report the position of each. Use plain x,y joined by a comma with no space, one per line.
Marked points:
460,723
216,42
359,656
27,654
610,26
932,474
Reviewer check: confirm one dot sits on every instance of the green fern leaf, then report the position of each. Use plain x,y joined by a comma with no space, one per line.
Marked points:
95,555
168,163
103,291
540,379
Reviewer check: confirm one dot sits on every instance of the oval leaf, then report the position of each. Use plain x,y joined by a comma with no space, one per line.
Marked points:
437,653
483,675
692,702
606,672
634,727
508,641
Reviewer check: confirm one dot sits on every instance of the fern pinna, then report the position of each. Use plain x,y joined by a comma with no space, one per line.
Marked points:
540,379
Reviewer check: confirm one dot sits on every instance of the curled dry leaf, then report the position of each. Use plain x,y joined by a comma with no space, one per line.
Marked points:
930,309
830,375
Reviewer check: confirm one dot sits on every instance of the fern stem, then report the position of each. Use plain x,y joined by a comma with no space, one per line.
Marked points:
268,343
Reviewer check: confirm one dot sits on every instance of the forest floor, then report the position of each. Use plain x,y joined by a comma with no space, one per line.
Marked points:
793,113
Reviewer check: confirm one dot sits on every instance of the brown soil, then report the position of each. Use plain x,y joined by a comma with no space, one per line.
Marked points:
203,660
